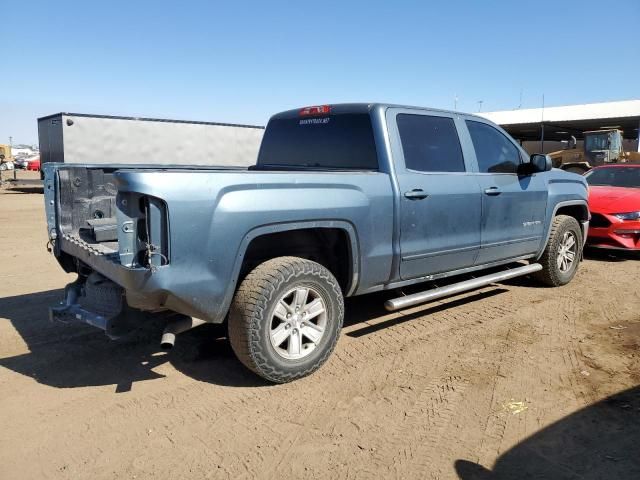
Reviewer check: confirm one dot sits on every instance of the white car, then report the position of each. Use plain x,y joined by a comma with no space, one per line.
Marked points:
8,165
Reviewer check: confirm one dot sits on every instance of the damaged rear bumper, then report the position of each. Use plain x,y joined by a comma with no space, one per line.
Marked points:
96,301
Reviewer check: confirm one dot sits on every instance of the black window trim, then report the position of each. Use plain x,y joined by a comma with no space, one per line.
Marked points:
510,140
423,113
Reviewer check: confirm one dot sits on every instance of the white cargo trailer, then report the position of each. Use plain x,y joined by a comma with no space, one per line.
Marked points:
82,138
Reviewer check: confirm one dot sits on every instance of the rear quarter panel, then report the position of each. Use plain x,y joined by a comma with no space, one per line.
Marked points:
214,215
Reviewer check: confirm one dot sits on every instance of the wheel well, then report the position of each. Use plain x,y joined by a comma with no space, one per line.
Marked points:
329,247
579,212
582,166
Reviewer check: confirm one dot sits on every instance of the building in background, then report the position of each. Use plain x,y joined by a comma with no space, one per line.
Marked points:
550,129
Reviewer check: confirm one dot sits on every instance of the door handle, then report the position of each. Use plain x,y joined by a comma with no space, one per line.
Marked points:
416,194
493,191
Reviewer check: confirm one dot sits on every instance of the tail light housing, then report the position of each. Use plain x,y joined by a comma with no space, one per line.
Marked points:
315,110
143,230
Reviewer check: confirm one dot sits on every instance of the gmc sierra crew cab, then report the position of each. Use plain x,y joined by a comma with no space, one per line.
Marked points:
343,200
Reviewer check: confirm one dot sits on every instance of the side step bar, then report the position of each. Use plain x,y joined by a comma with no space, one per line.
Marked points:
435,293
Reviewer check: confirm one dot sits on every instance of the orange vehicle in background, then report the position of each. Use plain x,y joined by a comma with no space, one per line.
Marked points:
600,147
5,153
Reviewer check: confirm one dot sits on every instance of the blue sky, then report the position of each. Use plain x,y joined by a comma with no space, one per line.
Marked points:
242,61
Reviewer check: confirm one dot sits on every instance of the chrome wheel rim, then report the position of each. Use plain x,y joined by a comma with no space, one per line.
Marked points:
567,252
298,323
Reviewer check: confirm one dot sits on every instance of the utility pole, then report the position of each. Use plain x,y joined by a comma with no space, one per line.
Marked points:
11,157
542,121
520,104
480,102
455,102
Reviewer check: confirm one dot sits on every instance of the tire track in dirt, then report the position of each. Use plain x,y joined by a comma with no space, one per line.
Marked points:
382,348
352,357
420,434
553,335
444,394
416,325
494,423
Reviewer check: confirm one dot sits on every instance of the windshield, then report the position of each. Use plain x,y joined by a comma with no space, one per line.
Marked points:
342,141
598,141
615,177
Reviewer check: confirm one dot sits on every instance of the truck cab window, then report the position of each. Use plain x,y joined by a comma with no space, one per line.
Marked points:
343,141
495,152
430,144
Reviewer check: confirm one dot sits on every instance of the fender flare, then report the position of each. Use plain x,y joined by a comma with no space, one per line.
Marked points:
344,225
558,206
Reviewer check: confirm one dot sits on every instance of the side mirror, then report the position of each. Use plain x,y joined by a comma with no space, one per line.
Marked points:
540,163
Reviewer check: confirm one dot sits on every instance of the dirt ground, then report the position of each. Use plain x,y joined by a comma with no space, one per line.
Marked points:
512,381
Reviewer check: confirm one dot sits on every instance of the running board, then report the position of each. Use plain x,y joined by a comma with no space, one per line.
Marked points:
435,293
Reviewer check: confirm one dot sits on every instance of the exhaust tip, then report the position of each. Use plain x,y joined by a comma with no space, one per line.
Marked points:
179,325
168,341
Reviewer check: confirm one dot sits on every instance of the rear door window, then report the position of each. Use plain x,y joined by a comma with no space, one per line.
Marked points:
340,141
430,144
494,151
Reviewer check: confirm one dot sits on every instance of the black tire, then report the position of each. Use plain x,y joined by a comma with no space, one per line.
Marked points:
551,274
253,311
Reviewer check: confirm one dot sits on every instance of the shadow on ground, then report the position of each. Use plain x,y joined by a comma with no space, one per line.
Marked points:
601,441
605,255
77,355
368,307
23,189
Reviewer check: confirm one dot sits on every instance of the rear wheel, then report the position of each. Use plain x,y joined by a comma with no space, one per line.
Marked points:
285,318
563,252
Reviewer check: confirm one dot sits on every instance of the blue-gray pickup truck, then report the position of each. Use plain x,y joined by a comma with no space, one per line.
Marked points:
343,200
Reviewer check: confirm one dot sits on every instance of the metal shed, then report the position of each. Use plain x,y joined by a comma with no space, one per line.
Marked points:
83,138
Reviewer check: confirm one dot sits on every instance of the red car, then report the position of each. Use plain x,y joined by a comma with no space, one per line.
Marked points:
34,164
614,202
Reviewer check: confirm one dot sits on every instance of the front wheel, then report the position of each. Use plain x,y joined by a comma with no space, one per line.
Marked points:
285,318
563,252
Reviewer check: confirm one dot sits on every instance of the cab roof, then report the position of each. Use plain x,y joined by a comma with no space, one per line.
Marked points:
342,108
